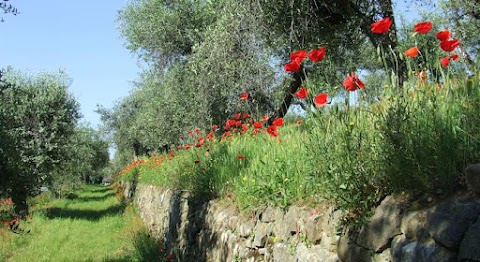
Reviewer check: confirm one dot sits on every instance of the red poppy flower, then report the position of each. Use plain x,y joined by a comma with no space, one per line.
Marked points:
445,61
272,130
443,35
381,26
210,136
412,52
238,115
255,131
352,82
449,45
454,57
240,157
197,131
265,117
246,115
182,137
302,93
231,122
299,55
214,127
228,133
320,100
317,54
293,66
278,122
299,122
197,161
257,125
244,127
244,96
423,27
238,123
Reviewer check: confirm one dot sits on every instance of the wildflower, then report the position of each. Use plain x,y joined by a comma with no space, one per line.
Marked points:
320,100
238,123
412,52
423,27
446,60
244,127
272,130
381,26
293,66
214,127
302,93
443,35
197,161
265,118
299,122
299,55
210,136
317,54
244,96
449,45
257,124
246,115
238,115
240,157
231,122
197,131
278,122
352,82
255,131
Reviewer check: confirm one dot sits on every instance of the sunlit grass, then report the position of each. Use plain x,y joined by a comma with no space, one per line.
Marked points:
93,226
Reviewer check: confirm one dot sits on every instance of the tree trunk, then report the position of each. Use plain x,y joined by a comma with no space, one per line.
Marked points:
19,199
298,78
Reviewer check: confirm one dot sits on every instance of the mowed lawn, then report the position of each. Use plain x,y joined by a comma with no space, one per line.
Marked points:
92,225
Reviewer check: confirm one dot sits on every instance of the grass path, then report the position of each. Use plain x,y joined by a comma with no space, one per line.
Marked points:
90,226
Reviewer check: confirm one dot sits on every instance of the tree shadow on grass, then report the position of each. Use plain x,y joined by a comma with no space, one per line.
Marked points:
100,189
86,214
95,198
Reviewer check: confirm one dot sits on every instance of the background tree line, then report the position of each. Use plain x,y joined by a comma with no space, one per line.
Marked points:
41,142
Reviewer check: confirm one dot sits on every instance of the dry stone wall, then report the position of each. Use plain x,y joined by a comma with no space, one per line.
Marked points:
448,230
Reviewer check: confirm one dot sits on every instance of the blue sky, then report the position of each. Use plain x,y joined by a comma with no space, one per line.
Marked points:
80,37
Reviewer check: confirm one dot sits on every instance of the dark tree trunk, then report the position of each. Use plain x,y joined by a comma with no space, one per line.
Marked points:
19,199
295,84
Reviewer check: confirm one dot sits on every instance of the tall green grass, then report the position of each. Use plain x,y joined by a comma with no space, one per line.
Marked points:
417,140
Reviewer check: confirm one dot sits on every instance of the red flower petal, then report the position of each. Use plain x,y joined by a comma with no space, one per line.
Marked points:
412,52
299,55
352,82
244,96
449,45
445,61
278,122
381,26
258,125
293,66
423,27
317,54
320,100
443,35
302,93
